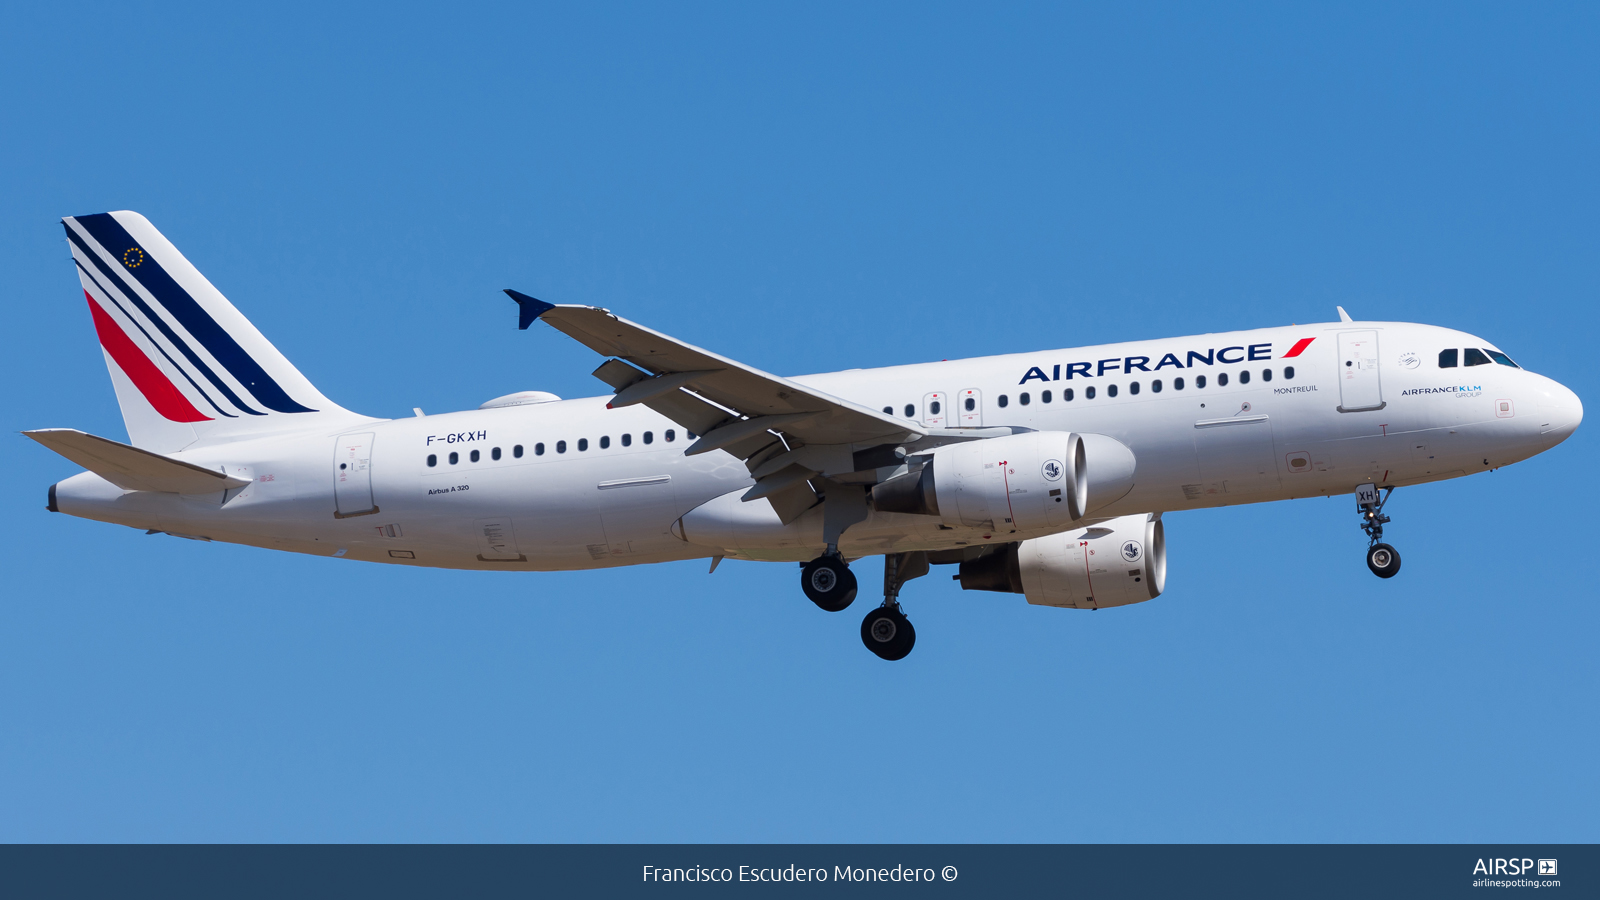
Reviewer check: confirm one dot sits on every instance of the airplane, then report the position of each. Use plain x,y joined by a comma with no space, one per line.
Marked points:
1044,473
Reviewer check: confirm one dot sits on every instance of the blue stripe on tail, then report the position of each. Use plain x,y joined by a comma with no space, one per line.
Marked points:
223,348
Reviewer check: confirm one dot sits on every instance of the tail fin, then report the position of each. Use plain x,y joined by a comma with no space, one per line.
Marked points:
187,366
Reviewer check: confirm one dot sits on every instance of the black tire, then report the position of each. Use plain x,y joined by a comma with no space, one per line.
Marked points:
829,583
888,633
1383,560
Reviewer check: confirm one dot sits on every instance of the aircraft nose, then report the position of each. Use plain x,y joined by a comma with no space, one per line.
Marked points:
1560,413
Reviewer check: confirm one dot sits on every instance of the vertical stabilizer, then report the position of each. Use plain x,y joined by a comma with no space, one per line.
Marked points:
187,366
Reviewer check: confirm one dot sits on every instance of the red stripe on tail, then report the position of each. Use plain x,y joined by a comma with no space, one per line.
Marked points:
155,386
1298,348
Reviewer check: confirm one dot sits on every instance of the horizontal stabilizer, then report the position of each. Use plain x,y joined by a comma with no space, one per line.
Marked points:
130,468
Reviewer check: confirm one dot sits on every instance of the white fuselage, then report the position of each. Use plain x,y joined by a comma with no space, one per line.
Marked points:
1395,417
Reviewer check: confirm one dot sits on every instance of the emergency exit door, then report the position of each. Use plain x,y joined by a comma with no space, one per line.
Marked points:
934,409
1359,387
352,476
969,408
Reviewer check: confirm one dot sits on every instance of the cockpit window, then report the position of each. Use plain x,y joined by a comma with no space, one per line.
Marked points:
1501,358
1447,358
1475,357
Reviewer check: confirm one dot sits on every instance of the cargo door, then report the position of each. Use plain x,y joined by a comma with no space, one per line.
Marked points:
637,514
352,476
497,541
1358,371
1235,456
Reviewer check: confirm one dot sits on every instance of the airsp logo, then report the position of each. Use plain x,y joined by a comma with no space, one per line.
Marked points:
1132,552
1410,360
1052,470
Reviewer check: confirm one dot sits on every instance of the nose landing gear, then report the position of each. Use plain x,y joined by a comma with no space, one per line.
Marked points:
1382,559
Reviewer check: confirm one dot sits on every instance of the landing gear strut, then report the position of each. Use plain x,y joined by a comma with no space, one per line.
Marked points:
1382,559
886,631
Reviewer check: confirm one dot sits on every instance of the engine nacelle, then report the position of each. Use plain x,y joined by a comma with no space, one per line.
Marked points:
1034,480
1115,563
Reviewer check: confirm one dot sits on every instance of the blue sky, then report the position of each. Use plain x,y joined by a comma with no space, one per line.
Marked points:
805,188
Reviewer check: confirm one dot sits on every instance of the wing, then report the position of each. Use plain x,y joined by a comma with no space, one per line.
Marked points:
786,433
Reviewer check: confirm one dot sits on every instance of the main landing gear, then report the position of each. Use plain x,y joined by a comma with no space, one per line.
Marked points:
1382,559
828,582
886,631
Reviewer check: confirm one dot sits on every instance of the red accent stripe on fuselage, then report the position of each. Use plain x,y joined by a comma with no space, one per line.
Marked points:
1299,348
151,381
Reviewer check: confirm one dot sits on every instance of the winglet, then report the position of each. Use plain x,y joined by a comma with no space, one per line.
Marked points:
1343,316
531,308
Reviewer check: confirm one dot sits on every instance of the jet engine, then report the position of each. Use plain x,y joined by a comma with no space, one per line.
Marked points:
1034,480
1118,562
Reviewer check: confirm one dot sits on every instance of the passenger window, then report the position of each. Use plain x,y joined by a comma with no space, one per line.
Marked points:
1501,358
1004,401
1155,386
1222,379
1044,396
454,458
935,406
1088,393
627,440
1475,357
1066,396
1177,384
433,460
495,453
605,442
649,437
972,404
689,434
670,434
911,411
583,444
538,450
888,410
1244,377
1448,358
474,456
1199,381
1133,388
1288,373
1111,390
1023,398
1266,374
561,446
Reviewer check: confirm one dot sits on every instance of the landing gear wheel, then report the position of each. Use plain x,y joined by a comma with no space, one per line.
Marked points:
828,583
888,633
1383,560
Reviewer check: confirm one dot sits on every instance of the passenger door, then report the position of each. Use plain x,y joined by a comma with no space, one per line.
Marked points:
1359,388
352,476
